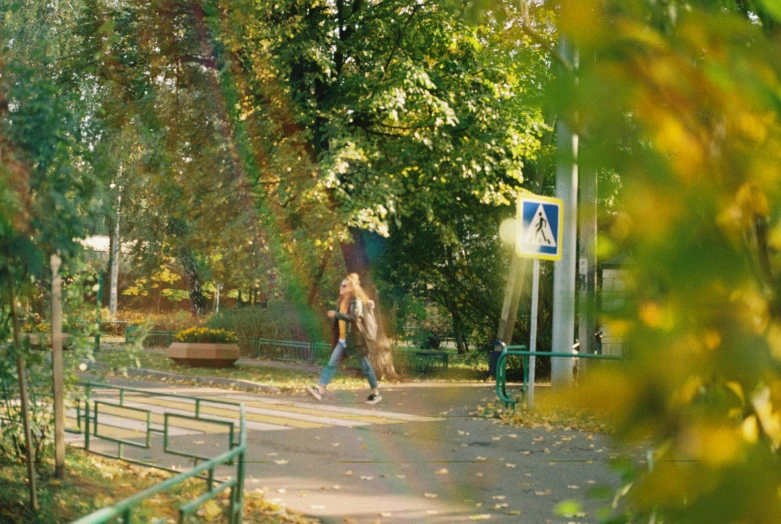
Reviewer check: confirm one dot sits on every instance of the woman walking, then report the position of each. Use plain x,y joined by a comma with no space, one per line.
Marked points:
350,308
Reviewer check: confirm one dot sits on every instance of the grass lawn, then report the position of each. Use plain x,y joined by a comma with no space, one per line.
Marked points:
283,378
92,482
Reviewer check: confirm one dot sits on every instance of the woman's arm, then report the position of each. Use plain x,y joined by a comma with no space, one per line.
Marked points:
354,312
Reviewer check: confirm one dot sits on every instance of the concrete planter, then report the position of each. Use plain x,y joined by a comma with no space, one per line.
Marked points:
203,355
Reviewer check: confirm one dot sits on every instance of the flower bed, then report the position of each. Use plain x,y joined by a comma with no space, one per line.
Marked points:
204,347
206,335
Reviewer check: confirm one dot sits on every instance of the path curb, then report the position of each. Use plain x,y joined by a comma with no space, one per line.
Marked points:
246,385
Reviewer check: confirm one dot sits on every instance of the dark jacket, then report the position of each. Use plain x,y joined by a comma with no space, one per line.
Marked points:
355,341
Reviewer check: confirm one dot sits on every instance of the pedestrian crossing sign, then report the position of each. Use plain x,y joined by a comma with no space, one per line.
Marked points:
540,227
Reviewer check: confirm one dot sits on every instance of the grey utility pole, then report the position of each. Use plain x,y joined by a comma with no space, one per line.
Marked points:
564,270
587,264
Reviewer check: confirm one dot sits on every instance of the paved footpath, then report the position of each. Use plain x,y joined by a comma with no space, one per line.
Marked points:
418,456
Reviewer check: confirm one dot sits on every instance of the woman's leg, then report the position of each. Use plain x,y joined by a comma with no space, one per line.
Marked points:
330,369
367,369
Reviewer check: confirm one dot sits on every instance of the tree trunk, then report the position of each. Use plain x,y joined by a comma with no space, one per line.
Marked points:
178,228
193,283
357,261
318,276
458,333
24,400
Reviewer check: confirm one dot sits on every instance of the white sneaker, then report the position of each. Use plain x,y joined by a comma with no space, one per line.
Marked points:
315,392
374,398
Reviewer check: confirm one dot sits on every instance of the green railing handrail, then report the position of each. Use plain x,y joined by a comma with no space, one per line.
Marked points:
501,367
501,373
238,451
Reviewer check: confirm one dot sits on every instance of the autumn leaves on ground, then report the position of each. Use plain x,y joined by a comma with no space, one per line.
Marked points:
94,482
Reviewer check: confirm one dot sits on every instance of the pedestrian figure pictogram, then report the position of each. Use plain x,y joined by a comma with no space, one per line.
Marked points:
539,231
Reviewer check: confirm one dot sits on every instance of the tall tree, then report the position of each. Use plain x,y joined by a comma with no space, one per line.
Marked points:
400,110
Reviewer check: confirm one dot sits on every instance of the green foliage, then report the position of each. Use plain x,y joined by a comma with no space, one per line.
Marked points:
277,321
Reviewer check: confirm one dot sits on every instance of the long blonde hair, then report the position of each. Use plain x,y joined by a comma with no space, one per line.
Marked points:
358,291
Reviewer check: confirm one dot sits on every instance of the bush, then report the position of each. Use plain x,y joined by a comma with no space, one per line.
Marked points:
170,321
427,340
279,321
206,335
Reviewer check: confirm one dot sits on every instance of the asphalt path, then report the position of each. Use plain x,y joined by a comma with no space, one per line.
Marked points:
446,466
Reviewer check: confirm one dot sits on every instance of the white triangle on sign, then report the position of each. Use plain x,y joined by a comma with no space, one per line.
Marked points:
539,232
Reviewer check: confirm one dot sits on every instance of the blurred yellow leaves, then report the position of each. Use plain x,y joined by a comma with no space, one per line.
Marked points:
652,314
692,124
769,415
710,444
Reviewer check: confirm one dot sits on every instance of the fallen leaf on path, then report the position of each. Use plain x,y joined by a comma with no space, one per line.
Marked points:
496,438
431,511
198,442
317,506
280,462
348,473
573,487
510,465
479,505
281,490
364,477
271,454
481,459
513,512
484,516
385,514
538,439
210,510
430,495
401,476
497,507
512,435
526,452
498,497
442,471
542,493
478,474
336,444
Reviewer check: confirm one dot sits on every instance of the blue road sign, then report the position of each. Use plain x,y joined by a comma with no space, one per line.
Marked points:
539,227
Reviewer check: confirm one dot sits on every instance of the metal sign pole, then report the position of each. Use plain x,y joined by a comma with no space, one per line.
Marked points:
533,332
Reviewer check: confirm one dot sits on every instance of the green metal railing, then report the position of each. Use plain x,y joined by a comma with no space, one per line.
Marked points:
501,368
154,338
88,423
290,350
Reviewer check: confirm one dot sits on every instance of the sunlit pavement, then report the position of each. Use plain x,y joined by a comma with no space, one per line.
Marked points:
418,456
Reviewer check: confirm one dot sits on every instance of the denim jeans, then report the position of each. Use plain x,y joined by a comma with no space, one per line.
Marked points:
337,356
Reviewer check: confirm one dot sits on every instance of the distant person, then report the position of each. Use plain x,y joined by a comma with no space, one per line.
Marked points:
351,306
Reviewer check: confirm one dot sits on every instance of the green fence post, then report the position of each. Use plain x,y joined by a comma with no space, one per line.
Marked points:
86,424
